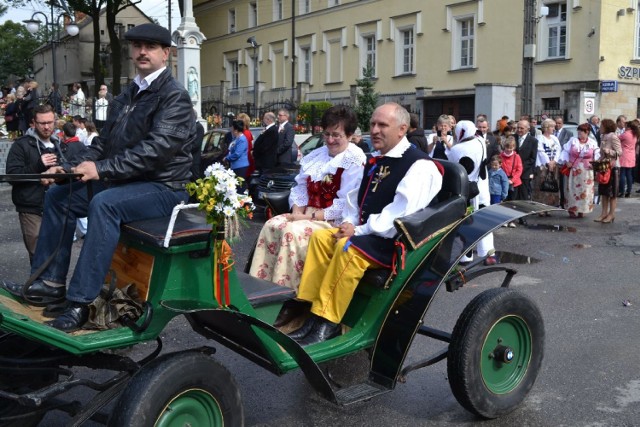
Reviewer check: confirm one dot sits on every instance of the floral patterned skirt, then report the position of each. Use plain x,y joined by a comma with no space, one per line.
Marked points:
579,190
282,248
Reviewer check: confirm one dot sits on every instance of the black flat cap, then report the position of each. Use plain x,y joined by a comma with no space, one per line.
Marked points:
149,33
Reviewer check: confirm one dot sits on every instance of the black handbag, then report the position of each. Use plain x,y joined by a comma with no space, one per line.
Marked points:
550,183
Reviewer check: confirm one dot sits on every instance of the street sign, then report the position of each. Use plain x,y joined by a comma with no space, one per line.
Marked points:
609,86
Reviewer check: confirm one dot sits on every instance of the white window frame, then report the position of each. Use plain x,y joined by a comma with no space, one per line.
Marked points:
253,14
232,20
555,23
305,64
304,6
464,46
233,73
367,52
402,49
278,10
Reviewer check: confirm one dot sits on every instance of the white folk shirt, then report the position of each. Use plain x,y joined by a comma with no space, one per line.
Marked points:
415,191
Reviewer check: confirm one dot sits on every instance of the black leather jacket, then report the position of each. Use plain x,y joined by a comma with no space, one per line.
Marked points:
148,136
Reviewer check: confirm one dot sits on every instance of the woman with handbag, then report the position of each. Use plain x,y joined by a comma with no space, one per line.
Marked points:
610,150
575,159
545,184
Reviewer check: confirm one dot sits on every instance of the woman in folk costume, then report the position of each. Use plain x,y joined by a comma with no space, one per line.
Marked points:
549,150
326,176
470,152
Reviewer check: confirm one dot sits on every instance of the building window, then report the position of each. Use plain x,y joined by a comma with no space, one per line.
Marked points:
253,14
465,43
232,20
557,30
304,64
334,61
334,3
305,6
405,51
551,104
368,56
232,73
277,10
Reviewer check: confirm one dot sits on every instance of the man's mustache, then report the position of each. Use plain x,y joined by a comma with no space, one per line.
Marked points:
142,58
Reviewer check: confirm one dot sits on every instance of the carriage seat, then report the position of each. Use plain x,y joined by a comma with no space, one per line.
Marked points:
448,207
190,227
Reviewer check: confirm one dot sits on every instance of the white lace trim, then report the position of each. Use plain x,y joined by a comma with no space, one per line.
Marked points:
319,164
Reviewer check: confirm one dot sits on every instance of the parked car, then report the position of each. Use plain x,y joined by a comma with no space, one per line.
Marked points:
214,148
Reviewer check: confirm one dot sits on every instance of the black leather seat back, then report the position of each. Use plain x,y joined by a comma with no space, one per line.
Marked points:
455,182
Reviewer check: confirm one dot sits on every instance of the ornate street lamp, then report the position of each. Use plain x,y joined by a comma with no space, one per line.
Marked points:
254,44
33,26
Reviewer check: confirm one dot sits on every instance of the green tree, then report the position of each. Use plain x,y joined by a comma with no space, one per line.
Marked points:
311,112
16,48
367,98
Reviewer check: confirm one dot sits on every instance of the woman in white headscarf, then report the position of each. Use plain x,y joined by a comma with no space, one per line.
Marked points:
470,151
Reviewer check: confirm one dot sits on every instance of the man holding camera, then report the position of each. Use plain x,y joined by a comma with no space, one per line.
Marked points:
35,152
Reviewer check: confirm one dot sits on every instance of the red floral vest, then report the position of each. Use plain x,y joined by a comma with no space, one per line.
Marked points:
321,193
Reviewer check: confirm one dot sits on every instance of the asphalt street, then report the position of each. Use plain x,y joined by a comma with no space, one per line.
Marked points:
579,273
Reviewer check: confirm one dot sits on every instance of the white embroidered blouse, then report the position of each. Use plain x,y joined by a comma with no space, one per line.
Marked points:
317,165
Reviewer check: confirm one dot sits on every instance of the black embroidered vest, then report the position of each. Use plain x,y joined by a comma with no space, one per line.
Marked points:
377,190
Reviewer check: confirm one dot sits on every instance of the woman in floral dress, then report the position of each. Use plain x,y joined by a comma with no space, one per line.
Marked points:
576,155
326,176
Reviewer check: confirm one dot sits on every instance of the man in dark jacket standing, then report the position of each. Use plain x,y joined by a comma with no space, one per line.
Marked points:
33,153
286,137
527,148
138,168
415,135
264,147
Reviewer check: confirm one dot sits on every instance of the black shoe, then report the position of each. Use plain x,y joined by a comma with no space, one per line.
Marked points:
54,310
304,330
290,310
37,294
72,318
322,331
627,195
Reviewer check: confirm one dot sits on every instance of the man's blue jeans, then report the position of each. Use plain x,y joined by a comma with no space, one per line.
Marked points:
110,206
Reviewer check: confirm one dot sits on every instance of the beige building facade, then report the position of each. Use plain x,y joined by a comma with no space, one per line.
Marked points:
439,56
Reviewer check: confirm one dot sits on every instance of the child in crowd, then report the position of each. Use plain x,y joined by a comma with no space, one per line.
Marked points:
498,181
512,166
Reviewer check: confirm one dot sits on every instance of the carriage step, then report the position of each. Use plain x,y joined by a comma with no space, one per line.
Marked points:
359,392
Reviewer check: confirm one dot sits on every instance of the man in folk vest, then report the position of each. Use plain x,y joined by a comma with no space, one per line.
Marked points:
340,256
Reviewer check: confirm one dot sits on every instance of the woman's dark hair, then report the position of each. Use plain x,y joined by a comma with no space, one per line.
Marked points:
238,125
585,127
634,126
607,126
340,115
90,127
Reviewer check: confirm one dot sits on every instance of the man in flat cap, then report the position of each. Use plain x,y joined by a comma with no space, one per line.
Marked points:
138,168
